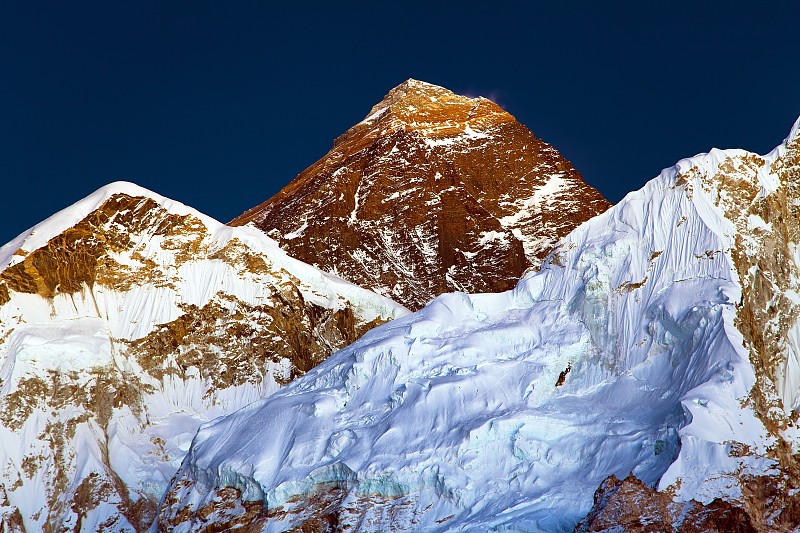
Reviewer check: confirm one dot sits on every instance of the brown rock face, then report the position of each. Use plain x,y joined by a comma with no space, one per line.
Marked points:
630,506
431,193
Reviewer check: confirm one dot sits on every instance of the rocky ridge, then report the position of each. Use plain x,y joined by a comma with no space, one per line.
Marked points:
126,321
431,193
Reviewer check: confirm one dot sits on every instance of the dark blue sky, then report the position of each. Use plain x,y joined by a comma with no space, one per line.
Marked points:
219,105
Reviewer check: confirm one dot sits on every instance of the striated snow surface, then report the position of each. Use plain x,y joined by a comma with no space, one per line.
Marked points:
506,411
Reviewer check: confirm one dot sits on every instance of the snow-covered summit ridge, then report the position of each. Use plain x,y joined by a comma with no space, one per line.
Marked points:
640,346
39,235
425,94
434,111
42,232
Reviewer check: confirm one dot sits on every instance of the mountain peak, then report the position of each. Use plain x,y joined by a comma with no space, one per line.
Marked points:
432,192
39,234
434,111
96,405
419,86
423,94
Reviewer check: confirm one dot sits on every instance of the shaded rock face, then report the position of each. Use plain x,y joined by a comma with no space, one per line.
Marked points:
630,506
431,193
124,332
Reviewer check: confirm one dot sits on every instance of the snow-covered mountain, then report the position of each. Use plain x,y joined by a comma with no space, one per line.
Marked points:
432,192
660,339
126,321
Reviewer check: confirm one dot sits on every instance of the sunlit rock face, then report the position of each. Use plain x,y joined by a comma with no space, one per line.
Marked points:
126,321
431,193
646,378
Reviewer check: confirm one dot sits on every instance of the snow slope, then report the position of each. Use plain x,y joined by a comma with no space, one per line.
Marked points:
640,346
126,321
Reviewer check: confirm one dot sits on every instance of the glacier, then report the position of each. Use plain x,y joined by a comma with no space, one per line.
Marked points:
623,354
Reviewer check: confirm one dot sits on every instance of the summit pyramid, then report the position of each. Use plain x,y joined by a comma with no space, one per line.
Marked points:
431,193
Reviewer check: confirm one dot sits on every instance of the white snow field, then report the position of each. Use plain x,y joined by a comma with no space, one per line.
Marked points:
85,431
506,411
